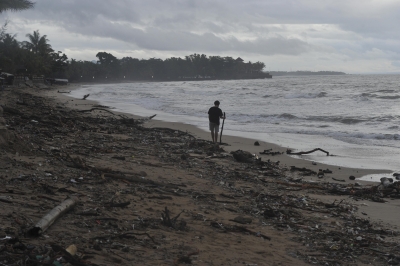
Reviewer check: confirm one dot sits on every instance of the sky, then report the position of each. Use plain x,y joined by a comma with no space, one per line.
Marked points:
352,36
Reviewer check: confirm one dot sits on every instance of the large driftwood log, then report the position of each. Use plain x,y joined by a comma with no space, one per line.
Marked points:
306,152
52,216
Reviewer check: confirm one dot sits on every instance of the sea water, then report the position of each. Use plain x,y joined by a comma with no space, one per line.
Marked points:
355,117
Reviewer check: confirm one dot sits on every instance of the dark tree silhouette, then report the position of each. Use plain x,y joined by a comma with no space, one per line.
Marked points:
15,5
37,44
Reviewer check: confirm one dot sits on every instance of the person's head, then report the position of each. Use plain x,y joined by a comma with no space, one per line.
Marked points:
216,103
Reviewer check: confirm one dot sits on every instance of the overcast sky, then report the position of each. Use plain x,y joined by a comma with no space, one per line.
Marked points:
354,36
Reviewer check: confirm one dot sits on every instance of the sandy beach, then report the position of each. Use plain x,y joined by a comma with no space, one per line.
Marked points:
150,192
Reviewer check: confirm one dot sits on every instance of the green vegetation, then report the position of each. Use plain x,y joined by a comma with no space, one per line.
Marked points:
190,68
36,57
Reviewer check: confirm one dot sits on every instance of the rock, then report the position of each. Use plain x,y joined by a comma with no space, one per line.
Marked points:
352,177
387,182
242,220
256,143
242,156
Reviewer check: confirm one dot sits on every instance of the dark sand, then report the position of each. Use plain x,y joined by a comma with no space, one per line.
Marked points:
51,152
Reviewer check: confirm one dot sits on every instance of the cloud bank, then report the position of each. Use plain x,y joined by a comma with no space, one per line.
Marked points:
351,36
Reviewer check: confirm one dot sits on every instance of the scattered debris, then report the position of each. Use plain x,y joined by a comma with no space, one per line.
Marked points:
134,183
270,152
306,152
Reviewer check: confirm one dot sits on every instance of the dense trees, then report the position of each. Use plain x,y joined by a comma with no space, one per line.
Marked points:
194,66
35,56
32,57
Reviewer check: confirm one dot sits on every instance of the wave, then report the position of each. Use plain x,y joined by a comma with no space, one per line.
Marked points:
306,95
342,120
287,116
394,97
350,137
387,91
273,118
376,96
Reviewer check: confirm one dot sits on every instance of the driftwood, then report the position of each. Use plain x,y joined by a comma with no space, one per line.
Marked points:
52,216
95,108
4,199
63,91
270,152
339,180
306,152
167,221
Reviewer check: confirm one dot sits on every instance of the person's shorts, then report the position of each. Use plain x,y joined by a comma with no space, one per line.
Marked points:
214,127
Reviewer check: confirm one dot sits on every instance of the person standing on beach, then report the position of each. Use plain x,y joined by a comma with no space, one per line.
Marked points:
214,114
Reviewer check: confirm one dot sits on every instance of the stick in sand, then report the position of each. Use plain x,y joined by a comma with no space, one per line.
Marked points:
222,129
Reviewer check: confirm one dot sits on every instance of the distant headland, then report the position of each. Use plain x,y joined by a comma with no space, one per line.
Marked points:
305,73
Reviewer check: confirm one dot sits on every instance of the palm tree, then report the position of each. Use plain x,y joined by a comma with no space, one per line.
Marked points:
37,44
15,5
9,41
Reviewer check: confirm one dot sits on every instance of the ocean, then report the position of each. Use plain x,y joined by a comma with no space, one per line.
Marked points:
354,117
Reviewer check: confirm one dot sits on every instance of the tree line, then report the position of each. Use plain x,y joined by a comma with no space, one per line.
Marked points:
191,67
35,56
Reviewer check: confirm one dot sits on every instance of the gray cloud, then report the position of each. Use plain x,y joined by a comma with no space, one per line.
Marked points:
331,28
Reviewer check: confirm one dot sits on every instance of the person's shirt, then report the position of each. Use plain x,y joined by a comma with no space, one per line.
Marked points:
214,114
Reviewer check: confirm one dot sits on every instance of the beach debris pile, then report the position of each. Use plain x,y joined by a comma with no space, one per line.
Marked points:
93,187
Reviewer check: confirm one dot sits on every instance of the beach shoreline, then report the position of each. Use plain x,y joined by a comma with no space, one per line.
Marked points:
158,193
243,143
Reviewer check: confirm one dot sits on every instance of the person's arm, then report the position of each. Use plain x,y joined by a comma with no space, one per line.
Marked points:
222,115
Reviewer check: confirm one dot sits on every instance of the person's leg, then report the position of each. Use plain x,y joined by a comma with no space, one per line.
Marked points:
216,133
212,129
